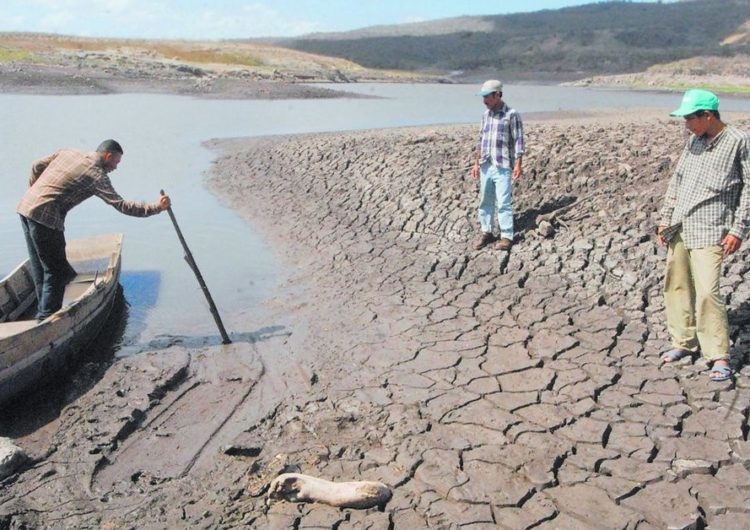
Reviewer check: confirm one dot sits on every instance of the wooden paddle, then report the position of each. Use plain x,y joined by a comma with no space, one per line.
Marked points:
199,276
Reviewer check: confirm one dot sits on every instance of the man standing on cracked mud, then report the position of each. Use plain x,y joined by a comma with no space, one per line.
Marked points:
57,183
497,163
705,217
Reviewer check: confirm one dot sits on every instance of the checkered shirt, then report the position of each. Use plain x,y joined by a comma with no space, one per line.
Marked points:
64,180
501,137
709,193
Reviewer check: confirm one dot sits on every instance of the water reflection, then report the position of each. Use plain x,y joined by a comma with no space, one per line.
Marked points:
142,292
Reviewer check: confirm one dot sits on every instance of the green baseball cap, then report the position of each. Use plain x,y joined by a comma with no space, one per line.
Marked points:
695,100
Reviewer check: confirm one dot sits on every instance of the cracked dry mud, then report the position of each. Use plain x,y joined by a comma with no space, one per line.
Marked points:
487,389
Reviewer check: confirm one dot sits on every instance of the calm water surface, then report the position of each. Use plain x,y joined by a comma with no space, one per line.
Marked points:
162,138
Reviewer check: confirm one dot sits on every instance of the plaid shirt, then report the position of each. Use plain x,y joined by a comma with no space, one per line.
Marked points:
64,180
709,193
500,130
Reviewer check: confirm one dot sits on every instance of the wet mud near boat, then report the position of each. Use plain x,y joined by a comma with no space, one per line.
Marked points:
39,408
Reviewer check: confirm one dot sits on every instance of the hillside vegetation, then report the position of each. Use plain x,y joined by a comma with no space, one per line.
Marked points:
598,38
626,44
202,59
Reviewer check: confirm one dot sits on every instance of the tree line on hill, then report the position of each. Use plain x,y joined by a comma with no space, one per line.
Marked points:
601,38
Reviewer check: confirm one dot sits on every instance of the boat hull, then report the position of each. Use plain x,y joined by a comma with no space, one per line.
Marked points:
31,352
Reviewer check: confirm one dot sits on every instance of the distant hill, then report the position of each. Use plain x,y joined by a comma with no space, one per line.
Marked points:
441,26
160,59
598,38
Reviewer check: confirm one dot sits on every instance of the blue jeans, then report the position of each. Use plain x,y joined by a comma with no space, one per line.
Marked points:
495,194
50,269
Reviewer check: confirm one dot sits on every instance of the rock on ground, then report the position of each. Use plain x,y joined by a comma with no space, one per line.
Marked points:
11,456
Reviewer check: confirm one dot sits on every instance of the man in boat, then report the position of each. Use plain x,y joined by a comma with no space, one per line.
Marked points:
497,163
58,183
705,217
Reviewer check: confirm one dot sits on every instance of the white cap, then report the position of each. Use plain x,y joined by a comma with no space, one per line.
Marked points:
493,85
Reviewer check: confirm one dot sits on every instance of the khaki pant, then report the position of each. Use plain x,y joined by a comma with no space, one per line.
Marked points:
696,313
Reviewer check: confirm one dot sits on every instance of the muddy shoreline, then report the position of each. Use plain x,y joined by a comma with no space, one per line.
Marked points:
73,81
487,389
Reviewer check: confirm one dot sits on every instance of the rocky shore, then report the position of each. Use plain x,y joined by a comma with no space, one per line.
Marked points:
487,389
52,64
724,75
180,79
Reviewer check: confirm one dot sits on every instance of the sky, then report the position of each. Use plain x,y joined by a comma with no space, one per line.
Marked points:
230,19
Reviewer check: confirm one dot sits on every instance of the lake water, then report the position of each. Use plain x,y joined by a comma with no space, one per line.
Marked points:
162,138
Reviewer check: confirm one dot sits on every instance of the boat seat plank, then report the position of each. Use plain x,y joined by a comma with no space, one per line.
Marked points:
21,285
76,288
11,310
17,293
8,329
90,266
7,304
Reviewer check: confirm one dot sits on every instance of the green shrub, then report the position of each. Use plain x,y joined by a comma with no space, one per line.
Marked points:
8,55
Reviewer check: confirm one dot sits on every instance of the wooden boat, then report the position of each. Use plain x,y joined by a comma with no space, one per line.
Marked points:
32,351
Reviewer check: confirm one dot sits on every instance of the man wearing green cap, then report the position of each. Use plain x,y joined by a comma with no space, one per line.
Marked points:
705,217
